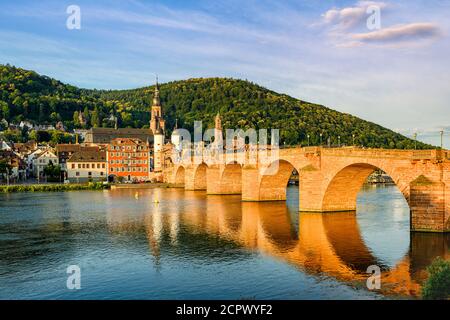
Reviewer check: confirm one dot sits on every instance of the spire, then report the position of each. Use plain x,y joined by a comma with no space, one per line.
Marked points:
176,124
218,122
156,99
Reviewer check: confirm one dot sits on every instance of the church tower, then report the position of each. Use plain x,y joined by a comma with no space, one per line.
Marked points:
218,137
157,125
157,122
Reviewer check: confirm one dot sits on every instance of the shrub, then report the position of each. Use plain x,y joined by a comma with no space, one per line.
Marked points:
438,284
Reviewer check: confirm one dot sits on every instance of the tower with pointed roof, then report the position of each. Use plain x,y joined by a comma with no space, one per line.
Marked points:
157,122
218,122
218,137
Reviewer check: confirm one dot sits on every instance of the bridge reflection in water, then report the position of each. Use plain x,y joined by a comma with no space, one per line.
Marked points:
320,244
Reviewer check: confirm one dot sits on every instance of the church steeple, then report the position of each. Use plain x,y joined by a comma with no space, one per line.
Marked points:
157,123
156,99
218,137
218,122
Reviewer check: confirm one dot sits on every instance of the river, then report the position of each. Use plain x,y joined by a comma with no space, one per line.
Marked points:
176,244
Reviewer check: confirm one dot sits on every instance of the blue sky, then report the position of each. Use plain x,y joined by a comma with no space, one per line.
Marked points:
319,51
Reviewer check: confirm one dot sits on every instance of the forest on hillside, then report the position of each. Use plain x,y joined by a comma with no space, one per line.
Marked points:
26,95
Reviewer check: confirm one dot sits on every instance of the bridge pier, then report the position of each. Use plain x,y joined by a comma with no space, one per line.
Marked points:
310,190
213,175
427,204
250,183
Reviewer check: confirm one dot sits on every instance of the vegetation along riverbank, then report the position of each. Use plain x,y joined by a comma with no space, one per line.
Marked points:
52,187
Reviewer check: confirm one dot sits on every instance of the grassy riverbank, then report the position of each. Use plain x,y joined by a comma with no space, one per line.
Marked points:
161,185
53,187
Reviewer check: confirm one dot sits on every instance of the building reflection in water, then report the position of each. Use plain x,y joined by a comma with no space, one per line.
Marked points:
320,244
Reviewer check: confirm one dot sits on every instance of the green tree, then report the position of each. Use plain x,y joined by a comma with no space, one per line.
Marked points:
437,285
24,94
4,108
95,119
52,172
76,119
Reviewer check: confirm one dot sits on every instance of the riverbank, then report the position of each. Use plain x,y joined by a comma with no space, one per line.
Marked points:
145,186
53,187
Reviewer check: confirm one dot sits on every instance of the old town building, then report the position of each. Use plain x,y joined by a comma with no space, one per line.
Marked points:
86,166
65,150
106,135
45,158
128,159
16,166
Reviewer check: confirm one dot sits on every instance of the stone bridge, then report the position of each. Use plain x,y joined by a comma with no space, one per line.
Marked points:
329,178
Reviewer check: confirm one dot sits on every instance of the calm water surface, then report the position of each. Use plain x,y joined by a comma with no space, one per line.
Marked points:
193,246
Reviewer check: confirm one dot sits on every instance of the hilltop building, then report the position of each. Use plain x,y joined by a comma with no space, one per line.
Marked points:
26,148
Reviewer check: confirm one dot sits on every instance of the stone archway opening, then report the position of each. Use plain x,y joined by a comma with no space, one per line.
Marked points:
366,213
200,175
280,182
231,182
345,186
180,177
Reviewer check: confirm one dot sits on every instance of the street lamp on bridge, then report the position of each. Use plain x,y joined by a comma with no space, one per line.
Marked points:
339,141
320,139
353,139
308,139
442,139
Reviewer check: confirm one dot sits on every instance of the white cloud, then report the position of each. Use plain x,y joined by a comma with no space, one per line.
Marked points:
349,17
404,32
343,27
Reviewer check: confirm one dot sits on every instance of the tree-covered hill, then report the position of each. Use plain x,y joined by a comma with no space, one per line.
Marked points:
26,95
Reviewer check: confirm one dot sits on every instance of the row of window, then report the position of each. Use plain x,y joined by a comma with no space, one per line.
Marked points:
134,154
89,165
121,161
89,174
128,148
129,169
47,160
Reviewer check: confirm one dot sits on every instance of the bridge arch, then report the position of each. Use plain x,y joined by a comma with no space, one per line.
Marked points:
200,177
231,179
274,180
180,175
344,184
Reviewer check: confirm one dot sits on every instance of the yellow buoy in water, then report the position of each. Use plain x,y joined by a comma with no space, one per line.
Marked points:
136,195
155,200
